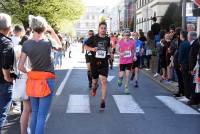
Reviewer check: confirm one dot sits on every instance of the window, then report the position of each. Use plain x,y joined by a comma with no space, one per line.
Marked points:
93,25
87,17
93,17
87,24
78,25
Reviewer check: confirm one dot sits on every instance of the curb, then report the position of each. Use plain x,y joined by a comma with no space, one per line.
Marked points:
169,87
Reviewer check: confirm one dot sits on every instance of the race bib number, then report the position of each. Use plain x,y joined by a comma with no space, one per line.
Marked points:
101,54
137,49
127,54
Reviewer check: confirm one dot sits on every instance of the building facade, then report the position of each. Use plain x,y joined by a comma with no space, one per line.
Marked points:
123,15
89,21
146,9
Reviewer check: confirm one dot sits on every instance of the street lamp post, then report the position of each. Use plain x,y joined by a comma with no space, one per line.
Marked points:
119,11
127,13
184,14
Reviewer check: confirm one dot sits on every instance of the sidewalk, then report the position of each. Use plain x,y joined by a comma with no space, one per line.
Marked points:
170,86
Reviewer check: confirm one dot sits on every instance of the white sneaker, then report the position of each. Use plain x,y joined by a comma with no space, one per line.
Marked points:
156,74
183,99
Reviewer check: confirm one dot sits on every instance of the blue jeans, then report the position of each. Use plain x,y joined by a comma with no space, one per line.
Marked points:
58,58
40,109
5,101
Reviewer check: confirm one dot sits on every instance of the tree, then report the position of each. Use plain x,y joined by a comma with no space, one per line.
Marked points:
53,10
172,16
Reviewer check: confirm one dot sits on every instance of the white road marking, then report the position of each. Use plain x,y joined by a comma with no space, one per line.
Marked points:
176,106
110,78
48,116
78,104
126,104
62,85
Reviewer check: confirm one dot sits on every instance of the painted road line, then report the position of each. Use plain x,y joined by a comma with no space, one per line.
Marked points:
176,106
126,104
48,116
62,85
78,104
110,78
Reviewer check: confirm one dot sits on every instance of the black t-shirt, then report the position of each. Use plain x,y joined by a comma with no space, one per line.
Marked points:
7,55
143,39
102,44
155,28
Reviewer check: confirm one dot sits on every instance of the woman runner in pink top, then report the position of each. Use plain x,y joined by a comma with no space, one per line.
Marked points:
127,54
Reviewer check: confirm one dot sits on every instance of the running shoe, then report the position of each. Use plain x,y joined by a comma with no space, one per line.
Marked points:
156,74
136,84
94,91
132,76
119,82
102,105
126,91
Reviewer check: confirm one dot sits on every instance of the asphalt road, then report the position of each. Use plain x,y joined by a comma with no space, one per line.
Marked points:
149,109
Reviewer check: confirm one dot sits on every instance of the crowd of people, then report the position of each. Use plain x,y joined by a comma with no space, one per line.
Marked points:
175,50
31,54
36,52
177,59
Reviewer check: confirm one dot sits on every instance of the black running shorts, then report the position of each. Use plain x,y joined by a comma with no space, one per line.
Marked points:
88,58
99,68
136,64
124,67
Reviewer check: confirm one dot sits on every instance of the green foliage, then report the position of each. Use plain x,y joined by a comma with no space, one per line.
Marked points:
102,19
173,15
53,10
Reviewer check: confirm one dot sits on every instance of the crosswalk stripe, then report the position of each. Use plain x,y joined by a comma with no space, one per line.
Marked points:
78,104
110,78
126,104
176,106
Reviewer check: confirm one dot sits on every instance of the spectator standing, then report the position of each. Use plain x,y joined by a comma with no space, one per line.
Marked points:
194,50
150,45
177,42
6,64
183,60
165,43
155,28
143,54
38,50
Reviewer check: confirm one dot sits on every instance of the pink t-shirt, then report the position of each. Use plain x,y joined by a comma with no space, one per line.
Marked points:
127,50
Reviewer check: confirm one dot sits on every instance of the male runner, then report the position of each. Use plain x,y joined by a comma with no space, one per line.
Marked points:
136,64
99,46
88,56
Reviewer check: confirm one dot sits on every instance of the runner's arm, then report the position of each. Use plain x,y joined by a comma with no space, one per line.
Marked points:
83,48
88,48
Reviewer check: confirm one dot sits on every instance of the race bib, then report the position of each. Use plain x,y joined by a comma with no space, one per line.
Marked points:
127,54
101,54
149,52
137,49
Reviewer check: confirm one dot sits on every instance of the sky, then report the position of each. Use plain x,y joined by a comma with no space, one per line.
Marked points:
99,2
